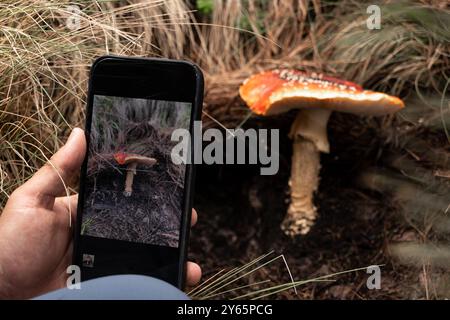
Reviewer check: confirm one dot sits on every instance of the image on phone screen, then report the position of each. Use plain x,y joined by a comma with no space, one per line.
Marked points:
133,190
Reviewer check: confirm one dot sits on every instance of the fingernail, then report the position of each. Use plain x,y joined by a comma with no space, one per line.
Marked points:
72,135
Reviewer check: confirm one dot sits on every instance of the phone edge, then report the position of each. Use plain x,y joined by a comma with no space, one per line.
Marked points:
188,205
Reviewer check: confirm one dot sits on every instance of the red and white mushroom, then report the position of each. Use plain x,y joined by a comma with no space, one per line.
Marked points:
132,160
316,96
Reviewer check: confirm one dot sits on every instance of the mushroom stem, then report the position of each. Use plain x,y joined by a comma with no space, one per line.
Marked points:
311,124
131,172
309,135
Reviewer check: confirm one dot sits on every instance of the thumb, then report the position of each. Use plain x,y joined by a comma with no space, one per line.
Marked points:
51,180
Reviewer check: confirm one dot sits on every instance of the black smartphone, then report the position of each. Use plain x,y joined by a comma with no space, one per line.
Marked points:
134,206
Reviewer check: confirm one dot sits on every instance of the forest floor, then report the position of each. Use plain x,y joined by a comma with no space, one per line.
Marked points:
240,213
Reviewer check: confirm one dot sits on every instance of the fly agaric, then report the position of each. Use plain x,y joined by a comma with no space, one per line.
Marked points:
315,96
132,160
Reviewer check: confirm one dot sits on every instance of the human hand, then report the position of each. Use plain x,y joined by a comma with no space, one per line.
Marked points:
35,227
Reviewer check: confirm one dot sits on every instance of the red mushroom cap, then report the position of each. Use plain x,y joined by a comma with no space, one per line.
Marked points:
126,158
120,157
278,91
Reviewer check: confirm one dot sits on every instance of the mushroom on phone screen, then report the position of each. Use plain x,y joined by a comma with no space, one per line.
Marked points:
132,161
316,96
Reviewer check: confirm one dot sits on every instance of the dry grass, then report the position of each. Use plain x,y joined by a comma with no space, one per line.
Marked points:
234,283
410,54
44,68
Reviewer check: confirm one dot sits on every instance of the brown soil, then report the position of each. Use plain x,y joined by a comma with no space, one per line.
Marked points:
149,215
240,213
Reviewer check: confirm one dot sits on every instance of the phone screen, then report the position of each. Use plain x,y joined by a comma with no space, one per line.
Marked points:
134,191
134,196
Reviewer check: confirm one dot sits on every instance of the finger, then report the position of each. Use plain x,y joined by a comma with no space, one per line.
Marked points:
70,203
193,273
194,217
51,180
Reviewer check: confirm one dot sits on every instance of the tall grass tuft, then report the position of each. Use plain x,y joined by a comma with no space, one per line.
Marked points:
45,50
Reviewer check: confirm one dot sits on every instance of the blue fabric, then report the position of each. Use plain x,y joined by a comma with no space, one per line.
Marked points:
119,287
